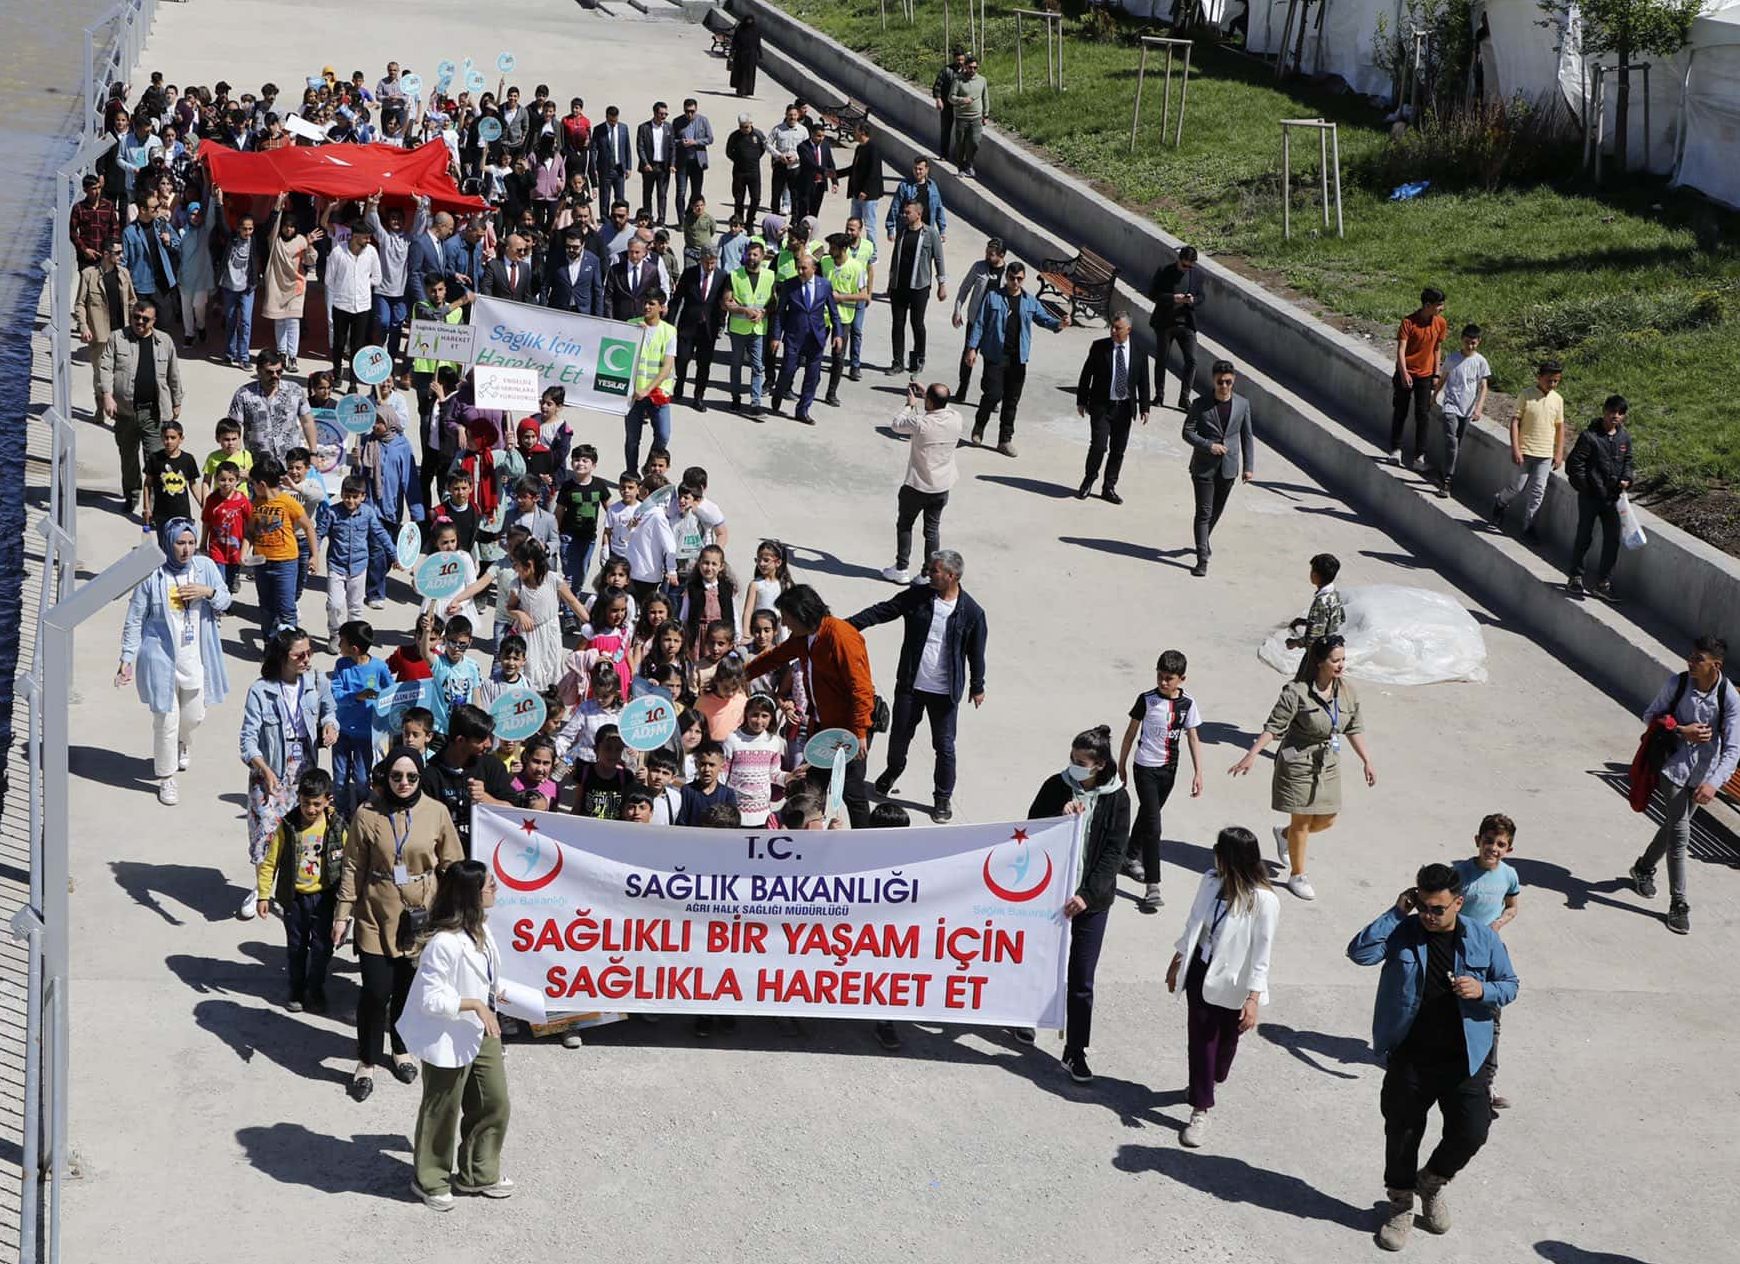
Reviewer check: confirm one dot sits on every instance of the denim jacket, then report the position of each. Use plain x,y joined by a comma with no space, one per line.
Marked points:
263,723
1400,944
348,536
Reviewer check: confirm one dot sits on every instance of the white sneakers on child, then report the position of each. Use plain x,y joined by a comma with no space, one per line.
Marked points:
248,910
168,793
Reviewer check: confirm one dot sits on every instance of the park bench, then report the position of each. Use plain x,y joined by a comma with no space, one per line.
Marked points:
721,28
844,118
1083,284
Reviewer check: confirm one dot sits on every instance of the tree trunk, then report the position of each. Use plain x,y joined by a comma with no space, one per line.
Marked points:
1622,106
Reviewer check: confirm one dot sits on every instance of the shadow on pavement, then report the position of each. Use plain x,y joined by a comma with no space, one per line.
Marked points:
821,560
301,1048
365,1164
1125,548
1235,1181
199,887
1579,893
1039,487
1712,841
112,768
1311,1047
1565,1253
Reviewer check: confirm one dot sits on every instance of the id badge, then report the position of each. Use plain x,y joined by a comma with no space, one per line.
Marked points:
1335,742
401,874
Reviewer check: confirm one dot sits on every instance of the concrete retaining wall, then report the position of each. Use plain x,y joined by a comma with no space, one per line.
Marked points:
1677,587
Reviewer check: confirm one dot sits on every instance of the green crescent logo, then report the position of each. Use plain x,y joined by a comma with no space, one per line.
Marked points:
615,366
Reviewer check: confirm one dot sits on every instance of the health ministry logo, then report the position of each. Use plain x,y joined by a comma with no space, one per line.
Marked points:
615,367
1016,864
536,861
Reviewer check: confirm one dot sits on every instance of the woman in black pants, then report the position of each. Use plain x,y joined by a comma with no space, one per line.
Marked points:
1089,784
397,845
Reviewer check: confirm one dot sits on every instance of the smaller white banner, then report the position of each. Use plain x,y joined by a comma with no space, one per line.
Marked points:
506,390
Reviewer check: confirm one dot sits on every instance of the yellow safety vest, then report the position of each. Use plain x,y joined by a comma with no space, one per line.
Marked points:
846,278
744,294
453,317
658,343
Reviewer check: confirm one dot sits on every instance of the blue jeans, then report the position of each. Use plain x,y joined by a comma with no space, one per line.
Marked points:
638,415
238,322
302,558
352,757
380,560
746,345
390,316
275,586
864,211
855,335
576,558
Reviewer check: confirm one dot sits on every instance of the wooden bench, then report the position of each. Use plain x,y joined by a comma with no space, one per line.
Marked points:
722,29
1081,284
844,118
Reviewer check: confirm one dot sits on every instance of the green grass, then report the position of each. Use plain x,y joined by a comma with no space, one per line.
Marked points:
1524,263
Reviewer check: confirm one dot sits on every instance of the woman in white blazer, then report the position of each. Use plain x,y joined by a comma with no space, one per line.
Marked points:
450,1023
1226,942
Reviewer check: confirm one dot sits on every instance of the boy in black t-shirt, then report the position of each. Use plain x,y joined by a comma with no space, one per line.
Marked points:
1162,720
601,784
580,504
172,487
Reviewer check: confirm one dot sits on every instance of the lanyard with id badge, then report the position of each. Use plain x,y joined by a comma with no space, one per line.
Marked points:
1335,720
401,872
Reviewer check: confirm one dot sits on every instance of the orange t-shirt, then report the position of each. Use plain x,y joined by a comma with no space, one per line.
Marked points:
273,526
1420,345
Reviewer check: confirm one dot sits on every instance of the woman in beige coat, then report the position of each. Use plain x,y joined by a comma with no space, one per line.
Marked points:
397,845
1310,719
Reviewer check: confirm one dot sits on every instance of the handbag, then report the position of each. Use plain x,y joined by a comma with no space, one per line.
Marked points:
413,922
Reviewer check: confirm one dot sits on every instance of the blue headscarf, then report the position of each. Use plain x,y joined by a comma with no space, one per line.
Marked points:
167,536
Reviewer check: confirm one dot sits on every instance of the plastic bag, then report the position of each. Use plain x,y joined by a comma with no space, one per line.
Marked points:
1398,636
1630,529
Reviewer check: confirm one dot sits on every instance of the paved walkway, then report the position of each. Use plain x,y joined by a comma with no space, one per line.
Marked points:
210,1120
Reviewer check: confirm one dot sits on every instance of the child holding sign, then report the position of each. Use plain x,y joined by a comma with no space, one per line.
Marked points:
357,680
445,538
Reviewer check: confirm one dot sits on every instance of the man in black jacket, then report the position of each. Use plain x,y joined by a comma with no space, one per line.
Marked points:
744,150
1599,467
1177,293
944,645
698,312
574,282
1112,390
655,149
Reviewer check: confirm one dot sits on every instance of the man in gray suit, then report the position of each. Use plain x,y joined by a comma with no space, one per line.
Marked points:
1218,430
693,135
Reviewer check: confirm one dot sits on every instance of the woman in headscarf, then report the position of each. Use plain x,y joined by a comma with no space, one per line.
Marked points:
171,649
397,845
388,466
745,56
288,717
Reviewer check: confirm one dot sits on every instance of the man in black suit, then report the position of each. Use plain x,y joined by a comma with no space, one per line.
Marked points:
1177,293
611,159
816,172
628,280
574,281
511,275
1222,441
654,145
1112,390
698,312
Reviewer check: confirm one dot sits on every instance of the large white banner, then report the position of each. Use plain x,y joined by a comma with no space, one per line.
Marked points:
589,357
961,924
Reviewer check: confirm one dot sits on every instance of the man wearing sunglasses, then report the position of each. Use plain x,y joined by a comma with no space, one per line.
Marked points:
138,382
1443,977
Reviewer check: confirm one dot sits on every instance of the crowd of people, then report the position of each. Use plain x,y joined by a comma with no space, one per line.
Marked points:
593,591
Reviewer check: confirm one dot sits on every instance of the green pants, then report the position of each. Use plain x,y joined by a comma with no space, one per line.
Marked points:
133,430
470,1102
966,142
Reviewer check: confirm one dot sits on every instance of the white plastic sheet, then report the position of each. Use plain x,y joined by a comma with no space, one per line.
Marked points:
1398,636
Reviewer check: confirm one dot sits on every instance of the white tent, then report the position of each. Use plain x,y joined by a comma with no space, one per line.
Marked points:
1710,147
1343,45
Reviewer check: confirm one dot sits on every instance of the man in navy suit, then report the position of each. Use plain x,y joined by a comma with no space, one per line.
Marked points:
817,175
803,321
424,255
611,160
574,281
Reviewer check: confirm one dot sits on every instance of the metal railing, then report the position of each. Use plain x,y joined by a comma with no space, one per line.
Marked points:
112,49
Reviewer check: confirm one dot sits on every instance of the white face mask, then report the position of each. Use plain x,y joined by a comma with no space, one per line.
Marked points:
1075,772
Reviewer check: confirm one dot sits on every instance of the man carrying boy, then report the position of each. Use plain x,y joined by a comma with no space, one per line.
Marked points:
1419,355
1436,1048
1462,396
1600,469
1537,444
1489,896
300,871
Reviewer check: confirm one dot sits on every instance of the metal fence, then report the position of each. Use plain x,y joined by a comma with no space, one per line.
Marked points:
111,50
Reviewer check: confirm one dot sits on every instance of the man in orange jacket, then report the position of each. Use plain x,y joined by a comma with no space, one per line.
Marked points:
837,672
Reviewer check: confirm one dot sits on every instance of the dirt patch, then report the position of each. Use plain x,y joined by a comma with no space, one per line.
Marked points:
1710,513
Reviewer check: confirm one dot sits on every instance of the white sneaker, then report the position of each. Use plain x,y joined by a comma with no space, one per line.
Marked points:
503,1188
1281,852
1300,886
1395,456
168,793
434,1202
894,575
376,603
1195,1130
248,909
1420,462
181,759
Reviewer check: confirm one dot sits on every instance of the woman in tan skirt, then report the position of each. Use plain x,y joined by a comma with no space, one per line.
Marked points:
398,843
1310,719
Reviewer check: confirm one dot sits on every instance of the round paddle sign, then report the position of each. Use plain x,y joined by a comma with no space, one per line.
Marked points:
819,750
440,575
409,544
506,63
518,712
647,723
391,704
356,413
372,365
488,129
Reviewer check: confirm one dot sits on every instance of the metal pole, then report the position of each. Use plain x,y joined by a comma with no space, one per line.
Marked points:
1600,118
1018,79
945,43
1060,52
1646,116
1335,153
1166,100
1286,183
1323,169
1136,114
1183,96
882,7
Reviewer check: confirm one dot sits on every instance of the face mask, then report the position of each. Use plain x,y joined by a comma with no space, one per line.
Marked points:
1076,773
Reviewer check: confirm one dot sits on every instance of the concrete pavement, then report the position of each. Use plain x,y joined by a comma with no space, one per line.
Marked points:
211,1123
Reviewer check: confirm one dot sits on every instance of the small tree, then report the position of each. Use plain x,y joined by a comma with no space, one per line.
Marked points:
1624,29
